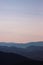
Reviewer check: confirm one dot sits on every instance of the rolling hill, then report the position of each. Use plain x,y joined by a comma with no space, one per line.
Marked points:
15,59
33,50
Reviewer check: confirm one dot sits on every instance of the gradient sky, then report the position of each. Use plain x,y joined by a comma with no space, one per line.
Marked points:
21,20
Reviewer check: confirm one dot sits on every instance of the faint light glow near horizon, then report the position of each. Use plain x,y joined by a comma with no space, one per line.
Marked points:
21,20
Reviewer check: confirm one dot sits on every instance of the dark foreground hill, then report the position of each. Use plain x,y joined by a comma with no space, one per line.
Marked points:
15,59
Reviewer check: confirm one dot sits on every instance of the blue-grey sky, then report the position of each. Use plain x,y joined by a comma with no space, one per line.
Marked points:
21,20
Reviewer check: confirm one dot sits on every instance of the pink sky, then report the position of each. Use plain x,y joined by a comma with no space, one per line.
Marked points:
21,21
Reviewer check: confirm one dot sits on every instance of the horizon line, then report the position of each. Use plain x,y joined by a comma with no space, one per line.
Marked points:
19,42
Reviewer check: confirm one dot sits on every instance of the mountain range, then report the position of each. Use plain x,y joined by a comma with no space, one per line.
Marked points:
32,50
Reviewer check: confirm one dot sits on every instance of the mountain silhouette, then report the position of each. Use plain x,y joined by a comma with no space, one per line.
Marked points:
33,50
21,45
15,59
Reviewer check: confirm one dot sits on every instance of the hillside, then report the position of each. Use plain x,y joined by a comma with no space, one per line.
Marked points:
15,59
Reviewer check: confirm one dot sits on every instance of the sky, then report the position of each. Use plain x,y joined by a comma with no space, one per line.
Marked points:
21,20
